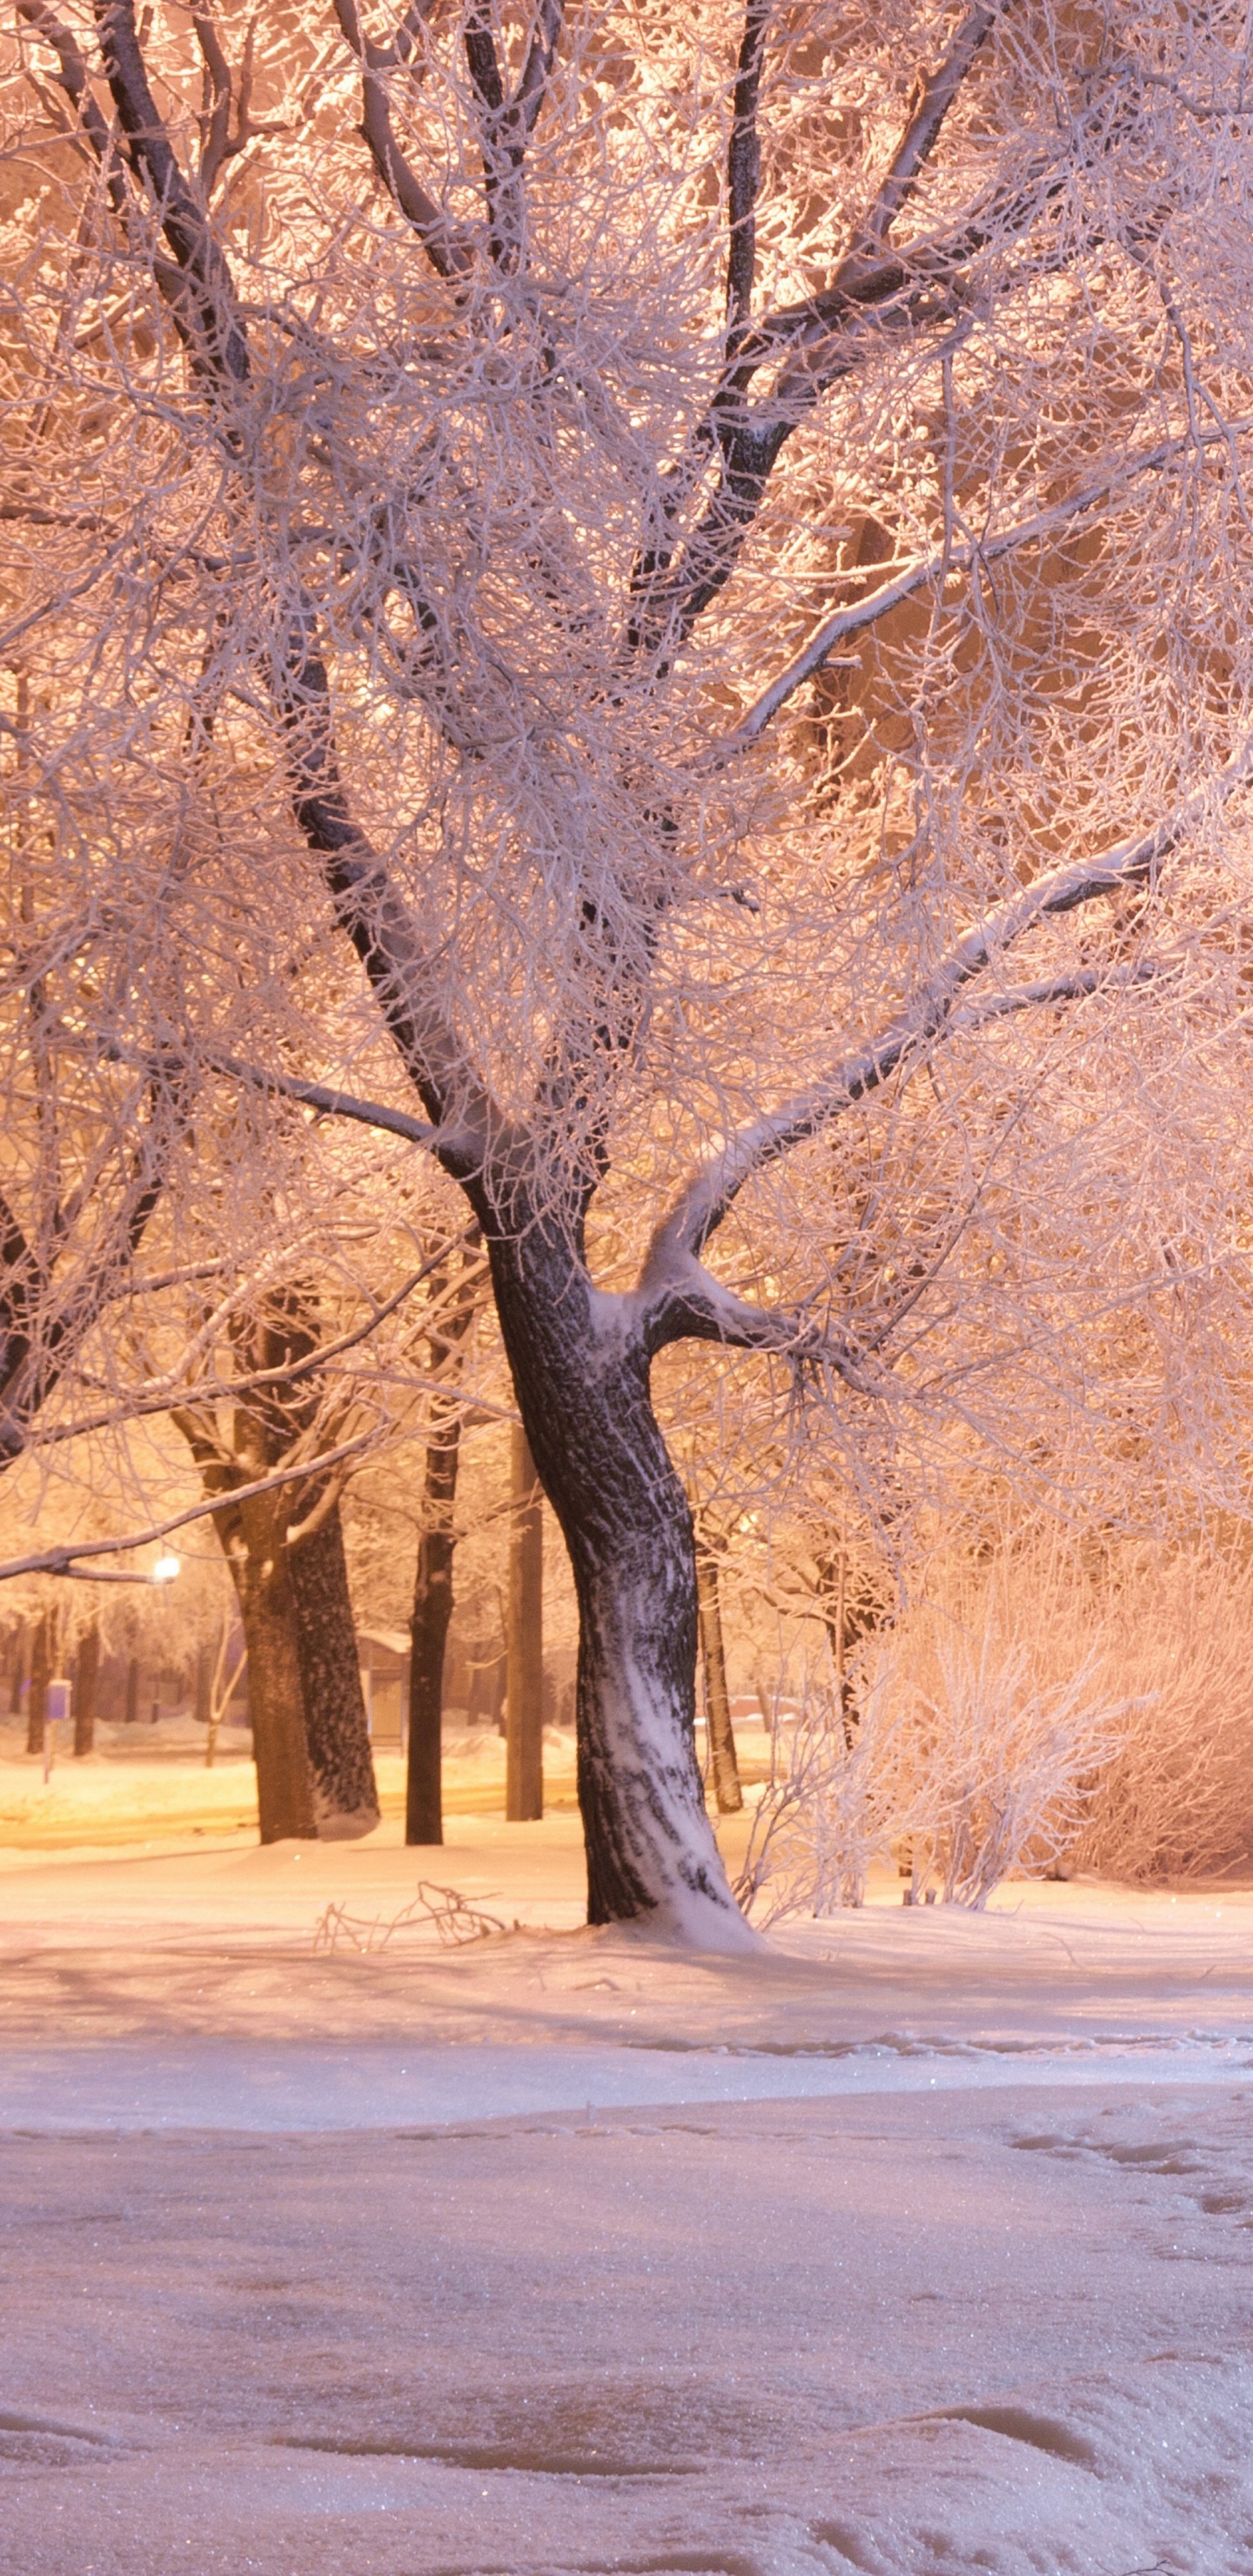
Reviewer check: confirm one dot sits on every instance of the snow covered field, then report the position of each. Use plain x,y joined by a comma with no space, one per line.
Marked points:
148,1782
919,2246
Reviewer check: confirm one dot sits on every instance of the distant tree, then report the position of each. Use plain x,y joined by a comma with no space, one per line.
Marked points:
456,1301
285,1550
86,1676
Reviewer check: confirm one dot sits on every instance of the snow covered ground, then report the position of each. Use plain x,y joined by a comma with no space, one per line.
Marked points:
920,2245
147,1782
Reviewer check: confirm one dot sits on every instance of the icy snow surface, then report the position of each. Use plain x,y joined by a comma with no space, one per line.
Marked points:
919,2246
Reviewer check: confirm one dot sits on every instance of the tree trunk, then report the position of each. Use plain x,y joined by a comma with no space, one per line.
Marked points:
850,1615
85,1678
19,1674
524,1640
315,1772
432,1591
275,1700
337,1737
40,1671
725,1767
432,1611
582,1379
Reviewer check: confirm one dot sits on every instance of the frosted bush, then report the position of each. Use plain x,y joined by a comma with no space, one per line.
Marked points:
822,1820
1177,1801
1000,1766
1166,1640
1029,1718
961,1754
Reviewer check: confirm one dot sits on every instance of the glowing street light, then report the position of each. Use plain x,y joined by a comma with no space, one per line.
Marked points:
165,1569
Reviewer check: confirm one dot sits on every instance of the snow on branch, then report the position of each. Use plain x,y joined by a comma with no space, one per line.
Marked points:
450,247
948,561
934,94
683,1301
713,1190
72,1558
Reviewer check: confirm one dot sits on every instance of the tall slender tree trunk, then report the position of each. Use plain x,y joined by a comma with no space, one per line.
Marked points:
851,1613
40,1673
722,1754
86,1675
432,1612
833,1584
19,1674
337,1735
581,1373
524,1639
432,1591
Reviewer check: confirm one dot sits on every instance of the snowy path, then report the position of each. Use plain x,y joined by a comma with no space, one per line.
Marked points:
920,2247
915,2335
293,2086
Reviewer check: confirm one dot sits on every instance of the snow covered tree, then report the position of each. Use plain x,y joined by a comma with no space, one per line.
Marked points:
685,542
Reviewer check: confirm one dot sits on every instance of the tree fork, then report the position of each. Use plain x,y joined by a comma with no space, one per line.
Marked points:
581,1376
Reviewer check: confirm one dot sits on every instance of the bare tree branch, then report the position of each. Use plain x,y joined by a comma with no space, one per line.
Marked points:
528,98
205,307
905,291
68,1559
934,96
43,1322
844,622
448,246
332,1104
77,88
160,1396
744,172
382,929
378,924
506,124
711,1193
685,1302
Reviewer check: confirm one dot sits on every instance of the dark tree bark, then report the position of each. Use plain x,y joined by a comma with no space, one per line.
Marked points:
257,1555
19,1674
85,1678
850,1613
432,1612
132,1691
315,1770
432,1590
40,1672
253,1537
524,1645
341,1765
582,1385
722,1755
